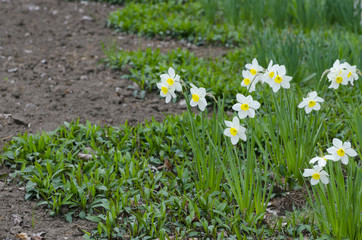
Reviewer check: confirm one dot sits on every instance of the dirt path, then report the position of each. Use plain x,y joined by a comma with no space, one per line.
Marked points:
49,51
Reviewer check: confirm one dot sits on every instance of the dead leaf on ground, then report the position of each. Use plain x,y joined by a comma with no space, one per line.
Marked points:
22,236
166,165
38,236
85,156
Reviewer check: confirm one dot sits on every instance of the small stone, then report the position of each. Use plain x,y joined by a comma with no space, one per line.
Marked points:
44,61
182,102
20,120
12,70
83,77
16,230
87,18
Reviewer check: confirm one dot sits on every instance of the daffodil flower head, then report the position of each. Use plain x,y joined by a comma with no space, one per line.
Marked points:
341,151
317,175
351,72
172,79
249,81
246,106
270,72
254,68
166,91
322,161
235,131
311,102
280,79
198,97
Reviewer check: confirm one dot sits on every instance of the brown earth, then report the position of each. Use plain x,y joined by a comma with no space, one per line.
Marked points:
49,50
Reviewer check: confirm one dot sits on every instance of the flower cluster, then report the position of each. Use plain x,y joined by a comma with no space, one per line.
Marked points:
171,82
339,151
274,75
341,73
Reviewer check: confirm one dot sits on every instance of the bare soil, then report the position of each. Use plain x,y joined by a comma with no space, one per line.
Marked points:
49,73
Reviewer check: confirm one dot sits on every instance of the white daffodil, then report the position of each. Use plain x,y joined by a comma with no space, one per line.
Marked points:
249,81
351,72
311,102
166,90
317,174
198,97
322,161
337,77
246,106
280,79
341,151
172,79
254,67
270,72
235,131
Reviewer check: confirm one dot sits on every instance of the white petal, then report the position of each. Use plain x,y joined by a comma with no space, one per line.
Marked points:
193,103
202,92
193,86
329,157
168,98
322,162
236,122
317,106
227,132
344,159
237,107
317,168
228,124
203,100
254,104
302,104
308,172
240,98
282,70
324,179
171,72
242,114
332,150
164,77
234,140
248,99
276,87
313,160
251,112
337,143
351,152
202,106
313,94
346,145
308,110
319,99
314,182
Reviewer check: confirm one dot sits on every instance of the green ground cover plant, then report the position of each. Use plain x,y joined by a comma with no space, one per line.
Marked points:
152,180
233,22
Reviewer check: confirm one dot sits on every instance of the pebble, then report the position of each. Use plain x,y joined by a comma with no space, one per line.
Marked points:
87,18
12,70
16,230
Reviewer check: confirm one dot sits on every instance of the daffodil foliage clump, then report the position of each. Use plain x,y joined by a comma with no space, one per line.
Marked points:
210,174
286,140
